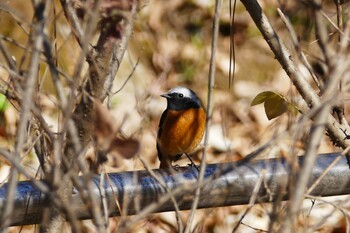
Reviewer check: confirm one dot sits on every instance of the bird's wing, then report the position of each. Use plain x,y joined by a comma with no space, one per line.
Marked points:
161,122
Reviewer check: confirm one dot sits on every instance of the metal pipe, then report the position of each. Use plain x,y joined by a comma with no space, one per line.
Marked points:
225,184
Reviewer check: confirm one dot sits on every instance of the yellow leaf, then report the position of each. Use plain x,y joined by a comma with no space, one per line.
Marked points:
261,97
275,104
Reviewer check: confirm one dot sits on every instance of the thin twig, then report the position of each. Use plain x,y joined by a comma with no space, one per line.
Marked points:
336,206
232,66
91,199
10,61
339,17
297,195
119,49
286,61
253,228
296,45
251,201
215,35
73,19
335,26
26,105
17,16
316,132
306,91
128,78
80,130
172,198
322,35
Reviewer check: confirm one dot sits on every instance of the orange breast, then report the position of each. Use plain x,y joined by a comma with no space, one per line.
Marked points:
182,131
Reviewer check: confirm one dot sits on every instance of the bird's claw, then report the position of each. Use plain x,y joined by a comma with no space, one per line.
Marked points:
193,165
176,167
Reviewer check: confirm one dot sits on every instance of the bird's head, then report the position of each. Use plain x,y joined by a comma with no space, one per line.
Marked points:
181,98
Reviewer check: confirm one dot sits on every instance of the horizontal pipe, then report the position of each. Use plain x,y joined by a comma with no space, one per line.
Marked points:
225,184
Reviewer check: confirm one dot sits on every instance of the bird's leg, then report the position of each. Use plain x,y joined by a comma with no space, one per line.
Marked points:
192,164
166,164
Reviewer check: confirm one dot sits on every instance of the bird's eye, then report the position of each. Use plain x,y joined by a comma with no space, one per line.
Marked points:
181,95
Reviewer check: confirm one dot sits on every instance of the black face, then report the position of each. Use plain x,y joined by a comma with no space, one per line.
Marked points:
177,101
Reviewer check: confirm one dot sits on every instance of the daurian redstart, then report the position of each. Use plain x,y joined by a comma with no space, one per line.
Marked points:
181,126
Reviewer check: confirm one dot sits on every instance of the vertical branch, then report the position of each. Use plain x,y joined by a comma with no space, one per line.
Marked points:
300,187
294,38
113,31
322,35
215,34
232,66
27,101
73,20
120,48
339,8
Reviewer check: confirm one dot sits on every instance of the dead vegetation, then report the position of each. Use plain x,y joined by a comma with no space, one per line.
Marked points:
80,84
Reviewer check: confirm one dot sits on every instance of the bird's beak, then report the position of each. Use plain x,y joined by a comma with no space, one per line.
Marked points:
167,96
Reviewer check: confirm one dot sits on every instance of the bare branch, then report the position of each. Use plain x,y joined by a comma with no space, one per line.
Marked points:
26,105
215,33
322,117
80,129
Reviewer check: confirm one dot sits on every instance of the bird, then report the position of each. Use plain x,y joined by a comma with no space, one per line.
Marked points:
181,127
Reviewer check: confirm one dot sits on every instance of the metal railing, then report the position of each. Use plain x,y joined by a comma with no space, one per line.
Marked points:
225,184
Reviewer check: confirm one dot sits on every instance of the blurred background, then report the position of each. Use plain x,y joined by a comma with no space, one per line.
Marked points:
170,46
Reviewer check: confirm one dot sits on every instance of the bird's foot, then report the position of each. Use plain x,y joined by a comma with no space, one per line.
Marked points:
193,165
176,167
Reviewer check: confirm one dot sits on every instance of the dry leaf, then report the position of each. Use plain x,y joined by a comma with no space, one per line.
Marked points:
104,125
108,139
127,148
